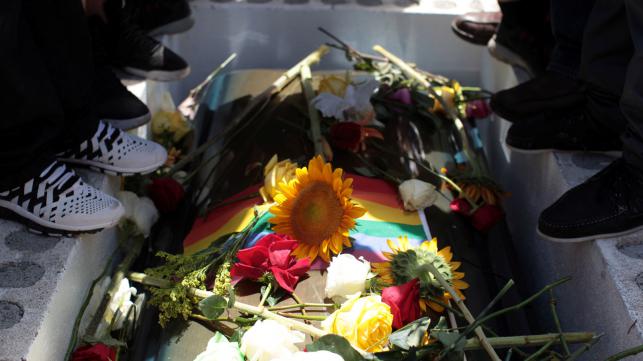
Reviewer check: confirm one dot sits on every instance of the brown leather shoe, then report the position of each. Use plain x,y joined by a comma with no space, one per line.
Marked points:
476,28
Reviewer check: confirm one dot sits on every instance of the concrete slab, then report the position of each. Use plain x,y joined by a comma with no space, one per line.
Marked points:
43,282
604,294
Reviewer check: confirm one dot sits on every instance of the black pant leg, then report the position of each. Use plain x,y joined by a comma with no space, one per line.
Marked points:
607,50
61,33
46,74
632,99
568,22
32,116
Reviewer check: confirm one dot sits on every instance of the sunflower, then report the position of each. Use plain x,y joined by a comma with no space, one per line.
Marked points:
315,208
406,263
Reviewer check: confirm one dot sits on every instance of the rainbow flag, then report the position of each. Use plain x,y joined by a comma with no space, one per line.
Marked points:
385,219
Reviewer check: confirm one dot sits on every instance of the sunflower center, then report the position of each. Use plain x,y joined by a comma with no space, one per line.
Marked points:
412,264
317,213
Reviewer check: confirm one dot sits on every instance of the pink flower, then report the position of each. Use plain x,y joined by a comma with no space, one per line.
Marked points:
478,109
461,206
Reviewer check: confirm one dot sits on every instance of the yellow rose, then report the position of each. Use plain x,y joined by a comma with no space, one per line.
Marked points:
172,122
274,173
365,322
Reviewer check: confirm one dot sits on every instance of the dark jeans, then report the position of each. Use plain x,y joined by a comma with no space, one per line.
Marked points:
46,92
568,22
612,64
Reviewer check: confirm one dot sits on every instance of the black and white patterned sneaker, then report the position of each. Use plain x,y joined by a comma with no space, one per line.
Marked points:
58,203
112,151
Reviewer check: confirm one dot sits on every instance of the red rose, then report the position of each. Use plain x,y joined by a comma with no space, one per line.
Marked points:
347,136
166,193
97,352
460,205
272,253
404,302
477,109
486,217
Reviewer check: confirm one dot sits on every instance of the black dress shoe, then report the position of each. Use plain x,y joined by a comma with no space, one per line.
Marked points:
610,204
477,27
574,131
547,93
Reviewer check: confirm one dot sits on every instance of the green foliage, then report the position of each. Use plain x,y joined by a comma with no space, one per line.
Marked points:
192,271
213,307
410,335
336,344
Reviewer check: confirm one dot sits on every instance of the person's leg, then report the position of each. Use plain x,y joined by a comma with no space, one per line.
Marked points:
32,115
609,204
568,22
632,99
557,89
40,114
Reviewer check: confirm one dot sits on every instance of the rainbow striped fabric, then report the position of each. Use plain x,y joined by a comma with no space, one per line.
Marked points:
385,219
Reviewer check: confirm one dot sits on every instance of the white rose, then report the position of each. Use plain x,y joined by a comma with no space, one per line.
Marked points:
128,200
145,215
268,340
346,277
312,356
220,349
416,194
141,211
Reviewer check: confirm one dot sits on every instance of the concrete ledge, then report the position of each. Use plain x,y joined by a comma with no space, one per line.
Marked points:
604,295
44,281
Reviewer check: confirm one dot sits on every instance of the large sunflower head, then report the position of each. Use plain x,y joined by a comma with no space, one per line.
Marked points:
406,263
315,208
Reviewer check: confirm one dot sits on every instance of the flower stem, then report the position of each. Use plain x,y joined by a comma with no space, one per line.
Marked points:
302,317
465,312
621,355
309,94
243,307
265,295
531,340
300,305
552,306
298,300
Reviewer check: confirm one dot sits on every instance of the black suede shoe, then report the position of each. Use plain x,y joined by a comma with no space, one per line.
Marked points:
574,131
547,93
115,104
610,204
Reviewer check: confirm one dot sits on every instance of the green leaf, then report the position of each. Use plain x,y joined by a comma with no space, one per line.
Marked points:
336,344
213,306
410,335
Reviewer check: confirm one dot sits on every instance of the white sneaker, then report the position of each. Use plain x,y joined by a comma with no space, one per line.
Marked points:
112,151
58,202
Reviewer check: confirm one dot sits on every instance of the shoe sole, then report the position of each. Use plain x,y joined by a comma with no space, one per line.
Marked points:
37,225
466,37
175,27
614,153
131,123
589,238
159,75
111,170
506,55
